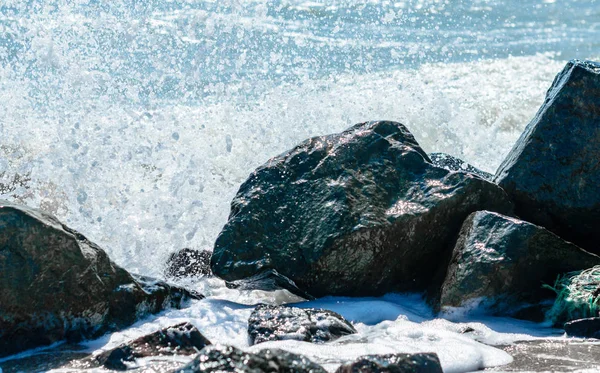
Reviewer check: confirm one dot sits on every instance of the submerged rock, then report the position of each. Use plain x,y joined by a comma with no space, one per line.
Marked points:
275,323
219,358
586,328
552,171
188,263
506,261
452,163
394,363
56,284
180,339
363,212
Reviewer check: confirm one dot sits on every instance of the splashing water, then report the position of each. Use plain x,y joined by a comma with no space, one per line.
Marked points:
134,122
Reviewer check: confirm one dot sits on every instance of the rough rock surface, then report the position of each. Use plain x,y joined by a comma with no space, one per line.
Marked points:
180,339
219,358
506,261
394,363
188,263
452,163
552,171
55,284
586,328
274,323
363,212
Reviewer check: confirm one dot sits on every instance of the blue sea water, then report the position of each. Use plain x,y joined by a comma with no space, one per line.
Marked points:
135,121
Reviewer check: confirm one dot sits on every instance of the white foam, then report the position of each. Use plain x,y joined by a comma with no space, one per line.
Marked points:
144,183
395,323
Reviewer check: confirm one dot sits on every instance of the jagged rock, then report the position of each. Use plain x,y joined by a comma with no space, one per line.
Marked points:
55,284
180,339
274,323
188,263
585,328
552,172
363,212
506,261
452,163
394,363
218,358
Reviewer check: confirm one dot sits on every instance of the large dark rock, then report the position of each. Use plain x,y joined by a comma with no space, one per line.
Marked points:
506,261
552,173
55,284
274,323
452,163
363,212
586,328
219,358
180,339
188,263
394,363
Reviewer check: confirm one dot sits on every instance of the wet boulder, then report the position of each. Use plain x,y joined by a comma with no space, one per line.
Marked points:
363,212
505,262
275,323
452,163
188,263
394,363
217,358
552,171
55,284
180,339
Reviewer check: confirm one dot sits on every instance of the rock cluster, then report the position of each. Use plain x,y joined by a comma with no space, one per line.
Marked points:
230,359
367,211
219,358
363,212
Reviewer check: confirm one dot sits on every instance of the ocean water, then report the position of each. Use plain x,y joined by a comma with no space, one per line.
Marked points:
134,122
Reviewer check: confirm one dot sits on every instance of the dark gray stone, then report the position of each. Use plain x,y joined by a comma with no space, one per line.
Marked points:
452,163
274,323
506,261
188,263
180,339
363,212
552,173
219,358
55,284
585,328
394,363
